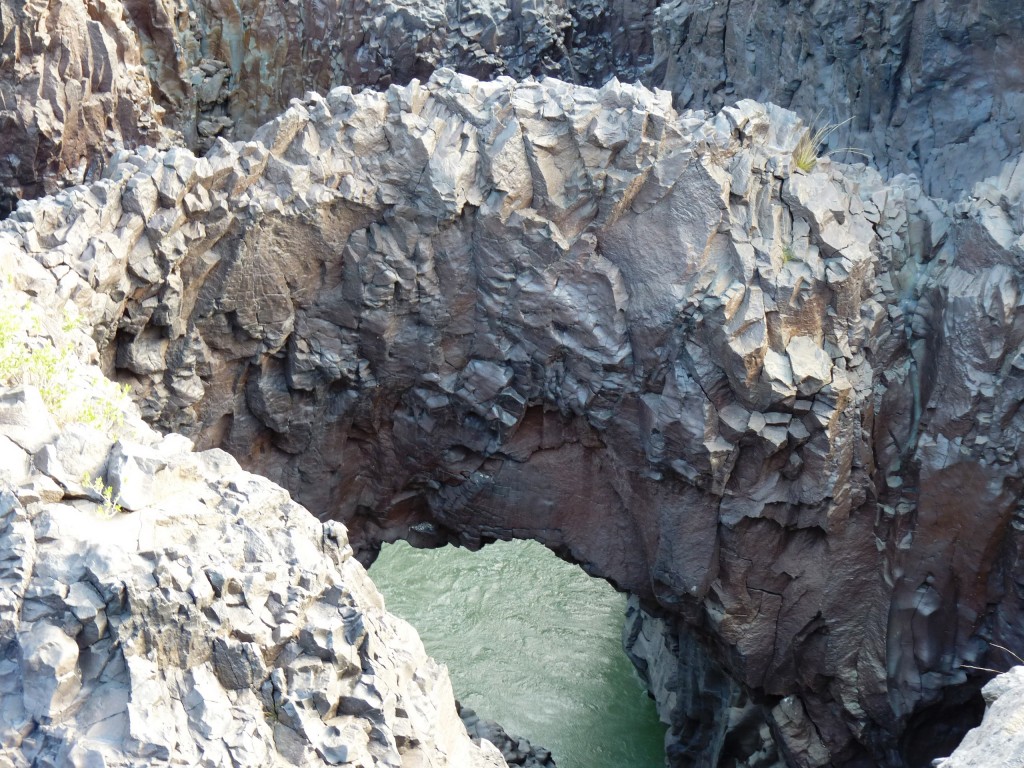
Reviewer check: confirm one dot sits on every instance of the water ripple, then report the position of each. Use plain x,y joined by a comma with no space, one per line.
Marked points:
532,642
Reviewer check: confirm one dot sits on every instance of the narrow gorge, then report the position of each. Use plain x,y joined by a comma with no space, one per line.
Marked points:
358,247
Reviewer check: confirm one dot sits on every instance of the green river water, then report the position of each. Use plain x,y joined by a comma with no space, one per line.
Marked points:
531,642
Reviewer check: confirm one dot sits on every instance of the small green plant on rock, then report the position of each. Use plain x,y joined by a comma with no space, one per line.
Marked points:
28,359
111,505
105,413
72,393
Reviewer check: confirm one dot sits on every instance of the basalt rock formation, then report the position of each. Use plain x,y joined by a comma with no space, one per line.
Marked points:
516,751
72,86
931,87
79,79
999,739
928,86
781,407
164,607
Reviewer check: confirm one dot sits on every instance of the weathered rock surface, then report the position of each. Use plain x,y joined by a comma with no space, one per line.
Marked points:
516,751
782,408
999,740
73,84
690,689
78,78
164,607
928,86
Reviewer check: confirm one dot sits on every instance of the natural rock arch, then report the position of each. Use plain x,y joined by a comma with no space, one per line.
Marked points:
749,395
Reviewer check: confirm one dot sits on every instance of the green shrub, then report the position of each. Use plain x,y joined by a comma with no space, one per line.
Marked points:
73,393
111,506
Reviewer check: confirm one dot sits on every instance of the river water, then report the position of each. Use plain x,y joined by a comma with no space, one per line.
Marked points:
531,642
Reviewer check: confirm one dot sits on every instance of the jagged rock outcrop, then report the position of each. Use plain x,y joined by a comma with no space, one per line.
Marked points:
516,751
928,86
164,607
999,740
780,407
79,79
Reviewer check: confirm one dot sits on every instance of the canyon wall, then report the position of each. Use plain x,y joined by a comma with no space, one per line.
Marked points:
779,406
931,87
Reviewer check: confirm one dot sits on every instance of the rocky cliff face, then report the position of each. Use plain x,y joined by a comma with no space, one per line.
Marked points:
78,79
928,86
780,407
73,84
931,87
164,607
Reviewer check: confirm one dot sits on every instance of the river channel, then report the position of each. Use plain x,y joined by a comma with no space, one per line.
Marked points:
531,642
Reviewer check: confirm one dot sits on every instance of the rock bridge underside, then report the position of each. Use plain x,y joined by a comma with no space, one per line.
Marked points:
781,408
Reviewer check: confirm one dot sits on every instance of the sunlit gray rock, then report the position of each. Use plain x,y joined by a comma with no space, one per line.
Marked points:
160,606
999,740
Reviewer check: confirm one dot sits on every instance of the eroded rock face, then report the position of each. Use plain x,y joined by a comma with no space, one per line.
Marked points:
780,407
72,85
248,59
160,607
931,86
79,79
